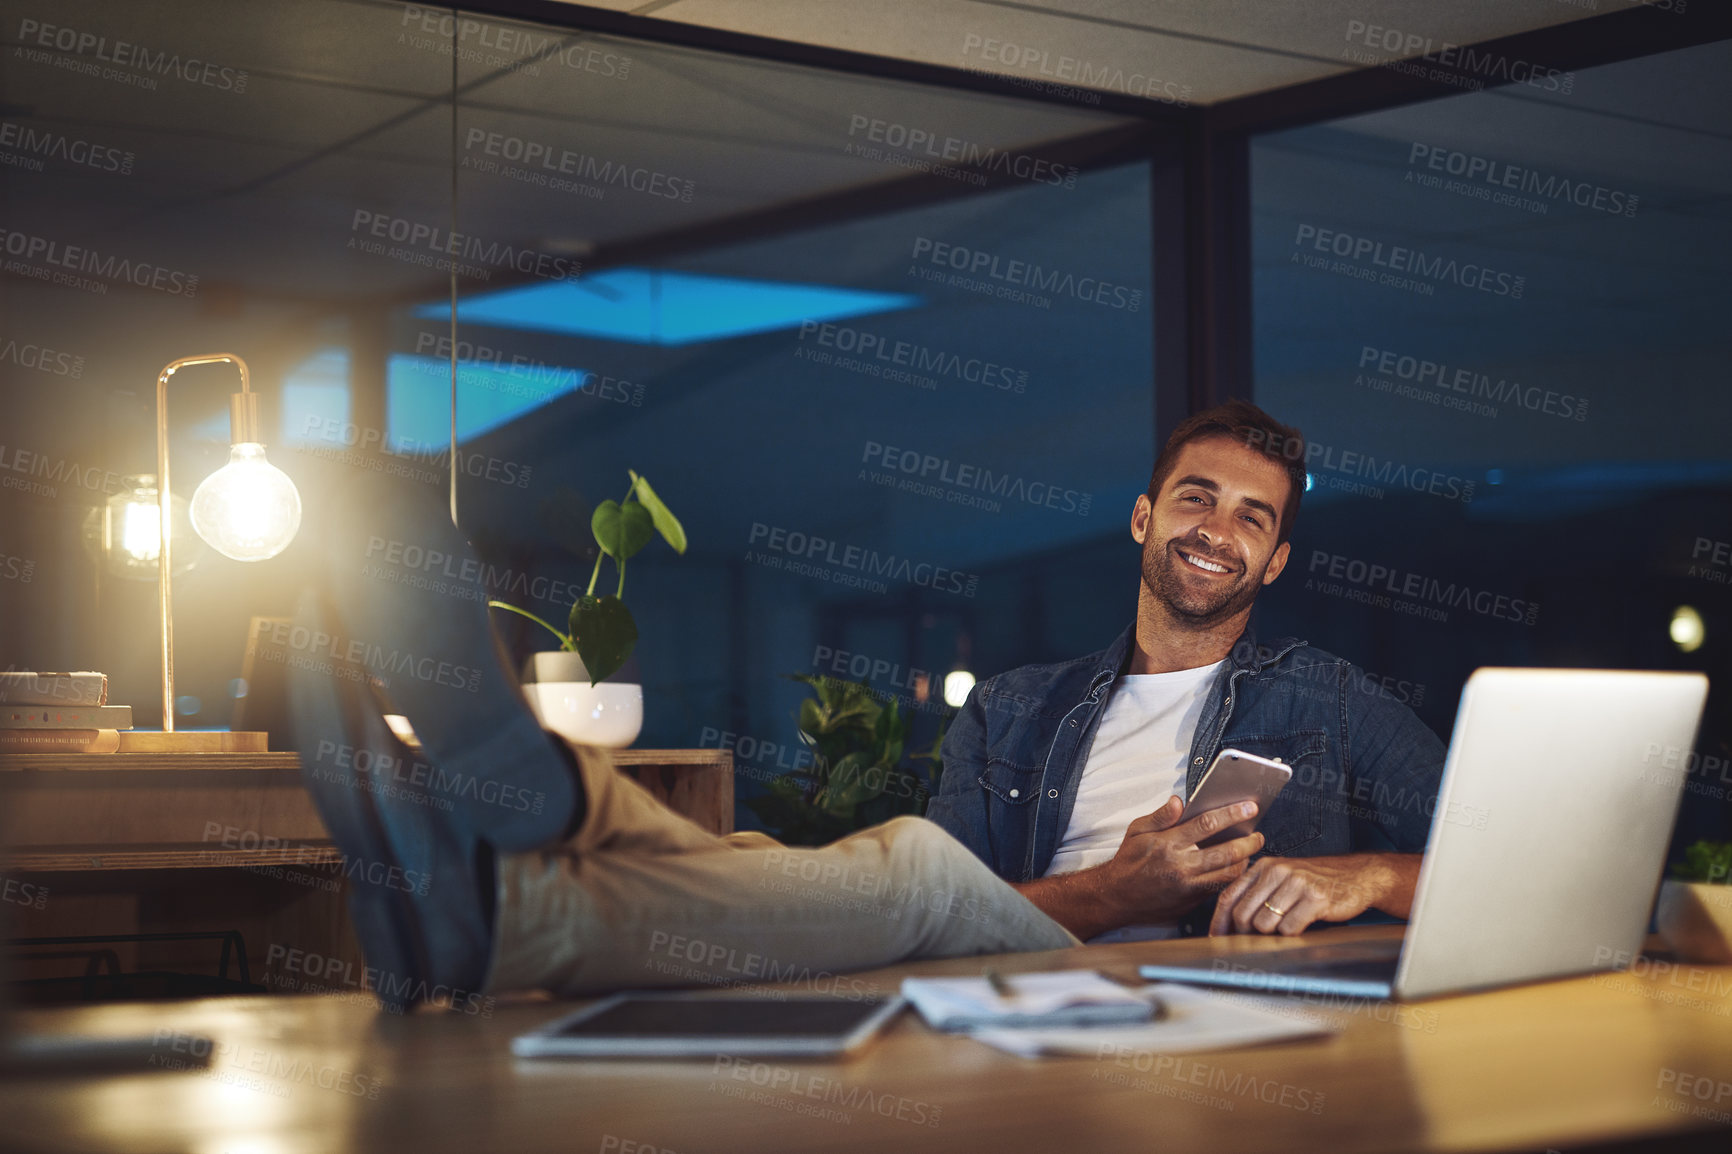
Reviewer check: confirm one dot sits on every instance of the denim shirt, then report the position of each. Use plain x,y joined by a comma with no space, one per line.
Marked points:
1365,768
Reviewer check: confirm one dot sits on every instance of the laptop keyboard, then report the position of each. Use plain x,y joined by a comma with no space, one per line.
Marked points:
1351,960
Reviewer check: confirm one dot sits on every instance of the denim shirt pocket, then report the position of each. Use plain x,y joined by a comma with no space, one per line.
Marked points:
1296,818
1009,783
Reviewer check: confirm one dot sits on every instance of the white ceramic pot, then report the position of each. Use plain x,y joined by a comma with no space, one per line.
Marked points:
608,714
1695,921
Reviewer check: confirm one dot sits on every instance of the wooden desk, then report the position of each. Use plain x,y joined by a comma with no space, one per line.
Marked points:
1557,1065
128,843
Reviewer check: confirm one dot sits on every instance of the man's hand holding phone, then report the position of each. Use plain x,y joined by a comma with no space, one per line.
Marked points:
1160,874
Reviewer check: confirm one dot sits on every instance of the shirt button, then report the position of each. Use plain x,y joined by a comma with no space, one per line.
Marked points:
1016,793
1052,793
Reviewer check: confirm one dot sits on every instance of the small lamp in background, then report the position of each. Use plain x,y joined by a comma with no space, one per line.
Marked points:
121,534
957,683
1687,629
248,509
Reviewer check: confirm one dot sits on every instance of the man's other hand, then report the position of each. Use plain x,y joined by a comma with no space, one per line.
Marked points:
1286,895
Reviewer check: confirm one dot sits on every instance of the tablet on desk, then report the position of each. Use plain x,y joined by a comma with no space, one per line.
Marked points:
702,1026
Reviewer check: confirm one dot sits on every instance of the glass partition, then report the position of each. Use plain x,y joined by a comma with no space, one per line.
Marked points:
884,348
1499,319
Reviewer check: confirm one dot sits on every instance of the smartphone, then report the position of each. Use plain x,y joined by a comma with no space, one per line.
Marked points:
1237,776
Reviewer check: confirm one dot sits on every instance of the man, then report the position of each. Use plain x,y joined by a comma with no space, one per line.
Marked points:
493,857
1069,779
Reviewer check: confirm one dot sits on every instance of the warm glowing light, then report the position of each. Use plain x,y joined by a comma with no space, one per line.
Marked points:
1688,632
248,509
141,530
957,683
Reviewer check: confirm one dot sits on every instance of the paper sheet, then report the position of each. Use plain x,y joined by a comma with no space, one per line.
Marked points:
1196,1020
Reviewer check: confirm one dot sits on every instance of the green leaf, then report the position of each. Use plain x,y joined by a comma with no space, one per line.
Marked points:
621,530
811,717
666,523
851,781
605,634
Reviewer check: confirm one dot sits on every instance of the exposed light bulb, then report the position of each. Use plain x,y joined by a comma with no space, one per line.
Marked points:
1687,630
957,683
248,509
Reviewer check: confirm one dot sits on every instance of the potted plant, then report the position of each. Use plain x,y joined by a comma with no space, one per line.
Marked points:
854,781
1694,913
566,686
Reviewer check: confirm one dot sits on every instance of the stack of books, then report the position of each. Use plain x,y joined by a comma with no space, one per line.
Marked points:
59,713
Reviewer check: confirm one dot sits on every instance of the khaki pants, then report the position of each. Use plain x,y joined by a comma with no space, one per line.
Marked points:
642,897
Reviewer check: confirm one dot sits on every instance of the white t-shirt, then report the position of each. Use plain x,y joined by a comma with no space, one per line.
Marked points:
1137,762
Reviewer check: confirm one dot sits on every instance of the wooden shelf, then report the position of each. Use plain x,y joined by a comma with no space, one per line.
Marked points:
154,762
106,857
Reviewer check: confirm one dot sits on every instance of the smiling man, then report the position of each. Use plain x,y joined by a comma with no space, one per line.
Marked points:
1069,779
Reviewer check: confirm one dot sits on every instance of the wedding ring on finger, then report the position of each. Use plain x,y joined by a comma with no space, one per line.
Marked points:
1273,910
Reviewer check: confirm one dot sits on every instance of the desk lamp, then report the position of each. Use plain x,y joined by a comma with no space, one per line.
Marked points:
248,509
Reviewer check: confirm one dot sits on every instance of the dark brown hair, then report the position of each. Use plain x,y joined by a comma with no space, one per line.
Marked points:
1245,423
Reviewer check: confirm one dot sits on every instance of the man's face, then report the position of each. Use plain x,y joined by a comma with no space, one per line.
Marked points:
1209,535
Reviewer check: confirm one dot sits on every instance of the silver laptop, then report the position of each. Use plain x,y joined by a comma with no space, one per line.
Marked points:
1546,846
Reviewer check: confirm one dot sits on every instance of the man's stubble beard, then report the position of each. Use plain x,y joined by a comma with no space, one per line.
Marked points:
1162,577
